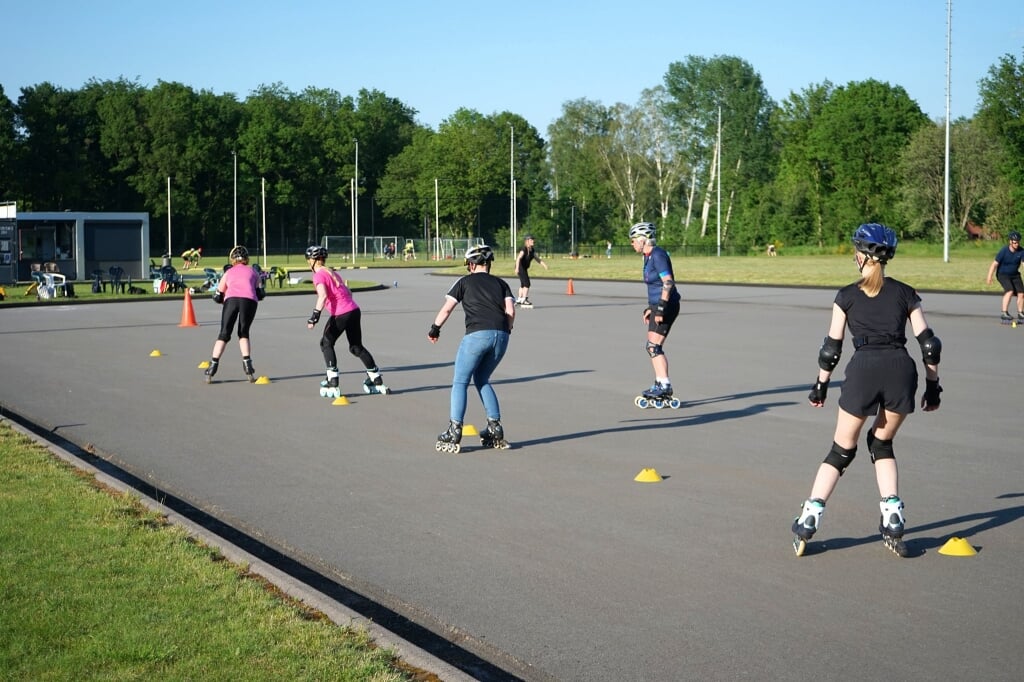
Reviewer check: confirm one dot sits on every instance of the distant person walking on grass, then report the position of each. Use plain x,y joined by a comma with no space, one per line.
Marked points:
1006,268
238,291
526,255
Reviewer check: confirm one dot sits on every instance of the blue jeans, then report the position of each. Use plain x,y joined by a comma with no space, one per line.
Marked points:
478,356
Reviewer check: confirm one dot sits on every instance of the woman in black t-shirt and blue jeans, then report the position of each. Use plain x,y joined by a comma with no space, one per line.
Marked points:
490,312
880,382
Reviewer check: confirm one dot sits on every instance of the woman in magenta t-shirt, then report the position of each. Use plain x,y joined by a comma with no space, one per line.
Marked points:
334,297
239,291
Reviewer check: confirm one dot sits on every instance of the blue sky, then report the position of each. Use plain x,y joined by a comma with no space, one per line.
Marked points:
526,57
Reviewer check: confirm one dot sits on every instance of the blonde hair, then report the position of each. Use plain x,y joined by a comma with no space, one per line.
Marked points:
872,277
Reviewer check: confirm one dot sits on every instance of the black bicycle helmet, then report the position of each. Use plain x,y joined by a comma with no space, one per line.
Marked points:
316,252
478,255
876,241
1014,236
238,254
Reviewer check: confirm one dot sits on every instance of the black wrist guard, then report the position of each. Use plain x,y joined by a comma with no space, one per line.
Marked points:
434,333
218,297
931,393
818,392
314,317
659,309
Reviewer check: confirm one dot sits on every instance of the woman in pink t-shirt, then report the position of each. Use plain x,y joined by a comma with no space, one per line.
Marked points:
334,297
239,290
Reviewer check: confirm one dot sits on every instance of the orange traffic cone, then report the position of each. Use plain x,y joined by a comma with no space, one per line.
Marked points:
188,315
569,291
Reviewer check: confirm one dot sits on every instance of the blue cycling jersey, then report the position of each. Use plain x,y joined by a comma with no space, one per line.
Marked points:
657,267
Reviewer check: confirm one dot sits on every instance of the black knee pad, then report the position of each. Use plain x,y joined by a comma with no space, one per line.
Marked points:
654,349
840,457
879,449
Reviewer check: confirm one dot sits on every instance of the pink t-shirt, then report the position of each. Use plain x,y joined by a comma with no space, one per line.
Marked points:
339,298
240,281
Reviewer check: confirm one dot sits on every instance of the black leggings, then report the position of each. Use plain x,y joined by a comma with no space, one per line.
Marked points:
235,308
349,325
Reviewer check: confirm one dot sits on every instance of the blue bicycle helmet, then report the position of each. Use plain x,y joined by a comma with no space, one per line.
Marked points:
876,241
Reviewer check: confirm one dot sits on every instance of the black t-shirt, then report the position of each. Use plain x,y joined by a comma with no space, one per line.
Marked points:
528,255
482,296
882,320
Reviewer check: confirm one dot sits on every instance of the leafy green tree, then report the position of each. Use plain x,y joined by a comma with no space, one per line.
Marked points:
974,163
1001,115
699,91
578,177
9,149
860,133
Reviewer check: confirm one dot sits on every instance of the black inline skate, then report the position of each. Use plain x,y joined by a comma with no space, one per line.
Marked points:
211,370
247,367
658,396
450,440
494,436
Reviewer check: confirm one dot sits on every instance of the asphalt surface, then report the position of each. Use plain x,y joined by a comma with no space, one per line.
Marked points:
548,561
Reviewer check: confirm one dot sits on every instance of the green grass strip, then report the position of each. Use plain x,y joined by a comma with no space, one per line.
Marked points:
94,586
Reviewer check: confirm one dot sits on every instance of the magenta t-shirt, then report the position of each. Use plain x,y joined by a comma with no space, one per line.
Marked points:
240,281
339,298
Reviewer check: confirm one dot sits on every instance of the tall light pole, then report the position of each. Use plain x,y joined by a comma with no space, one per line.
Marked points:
355,206
234,157
512,188
437,224
945,192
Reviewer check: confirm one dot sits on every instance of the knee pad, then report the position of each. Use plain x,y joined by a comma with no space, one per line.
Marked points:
654,349
840,457
879,449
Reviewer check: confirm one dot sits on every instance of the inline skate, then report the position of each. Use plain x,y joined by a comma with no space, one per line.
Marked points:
494,436
375,383
247,367
211,370
805,525
892,524
329,387
658,396
450,440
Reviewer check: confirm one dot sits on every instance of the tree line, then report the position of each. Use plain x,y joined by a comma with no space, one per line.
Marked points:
706,155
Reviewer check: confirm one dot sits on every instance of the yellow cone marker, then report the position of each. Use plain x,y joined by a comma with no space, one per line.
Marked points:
957,547
648,476
155,354
469,430
263,380
340,401
205,364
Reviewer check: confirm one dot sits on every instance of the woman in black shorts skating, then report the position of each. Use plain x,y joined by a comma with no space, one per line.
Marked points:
880,382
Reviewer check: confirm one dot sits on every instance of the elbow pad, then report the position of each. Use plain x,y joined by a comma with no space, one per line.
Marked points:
829,354
931,347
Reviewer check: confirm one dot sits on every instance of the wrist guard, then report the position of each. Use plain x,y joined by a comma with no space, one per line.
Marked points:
434,333
658,309
931,393
218,297
818,392
314,317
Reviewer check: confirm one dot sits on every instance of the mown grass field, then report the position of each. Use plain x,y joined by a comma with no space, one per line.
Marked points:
923,266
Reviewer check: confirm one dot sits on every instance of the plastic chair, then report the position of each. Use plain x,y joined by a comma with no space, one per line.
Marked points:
55,283
98,283
171,280
116,279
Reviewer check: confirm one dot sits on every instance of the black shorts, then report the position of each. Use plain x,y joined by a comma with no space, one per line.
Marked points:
671,313
524,278
879,377
1011,283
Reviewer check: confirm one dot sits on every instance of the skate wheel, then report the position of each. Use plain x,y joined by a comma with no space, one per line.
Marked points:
659,404
675,404
323,392
438,445
636,400
799,545
455,448
643,403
